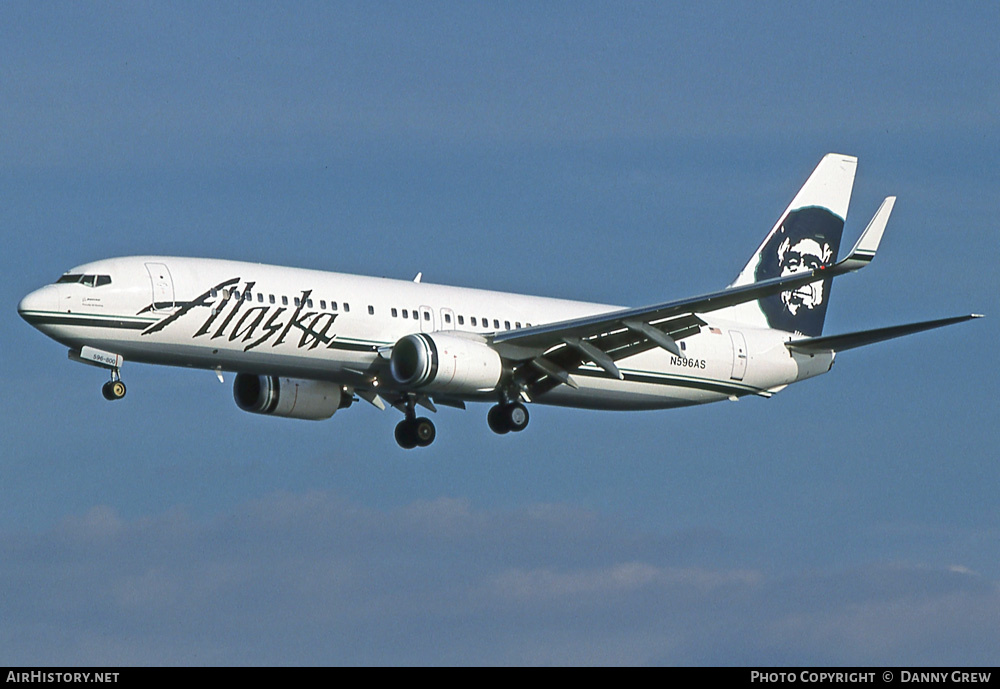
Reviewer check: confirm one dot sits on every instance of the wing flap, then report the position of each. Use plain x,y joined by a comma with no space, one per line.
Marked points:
603,350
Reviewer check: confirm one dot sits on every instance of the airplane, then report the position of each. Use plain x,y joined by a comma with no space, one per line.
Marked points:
305,343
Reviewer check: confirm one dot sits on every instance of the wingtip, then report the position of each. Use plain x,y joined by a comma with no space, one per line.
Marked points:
870,239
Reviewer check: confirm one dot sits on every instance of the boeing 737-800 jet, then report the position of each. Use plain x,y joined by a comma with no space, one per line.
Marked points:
305,343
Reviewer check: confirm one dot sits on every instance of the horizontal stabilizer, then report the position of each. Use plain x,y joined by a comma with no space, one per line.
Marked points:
838,343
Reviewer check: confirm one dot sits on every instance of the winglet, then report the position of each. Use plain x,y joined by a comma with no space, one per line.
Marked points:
864,251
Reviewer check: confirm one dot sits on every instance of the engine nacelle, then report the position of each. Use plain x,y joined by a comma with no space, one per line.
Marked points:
289,397
442,362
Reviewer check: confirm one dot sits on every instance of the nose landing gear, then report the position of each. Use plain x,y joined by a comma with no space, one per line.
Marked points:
114,389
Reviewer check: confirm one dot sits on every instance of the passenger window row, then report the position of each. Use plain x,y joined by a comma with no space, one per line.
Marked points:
297,301
415,314
474,321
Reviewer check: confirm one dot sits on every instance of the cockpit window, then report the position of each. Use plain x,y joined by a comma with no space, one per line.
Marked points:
88,280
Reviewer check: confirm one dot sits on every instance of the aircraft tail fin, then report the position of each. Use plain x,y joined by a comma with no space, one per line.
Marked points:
806,236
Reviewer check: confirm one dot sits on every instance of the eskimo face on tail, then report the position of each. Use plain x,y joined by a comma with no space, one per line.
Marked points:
807,239
806,254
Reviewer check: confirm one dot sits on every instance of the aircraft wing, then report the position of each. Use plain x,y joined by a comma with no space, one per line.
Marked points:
547,353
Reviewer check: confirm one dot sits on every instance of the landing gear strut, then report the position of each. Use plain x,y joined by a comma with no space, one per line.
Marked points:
504,418
114,389
414,431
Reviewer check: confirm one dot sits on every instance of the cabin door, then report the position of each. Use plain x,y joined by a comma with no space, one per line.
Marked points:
163,286
739,354
426,319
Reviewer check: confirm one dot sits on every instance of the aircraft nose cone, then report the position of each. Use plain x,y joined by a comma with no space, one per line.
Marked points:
32,304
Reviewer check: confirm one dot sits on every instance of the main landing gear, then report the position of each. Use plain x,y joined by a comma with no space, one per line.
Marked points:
414,431
506,418
114,389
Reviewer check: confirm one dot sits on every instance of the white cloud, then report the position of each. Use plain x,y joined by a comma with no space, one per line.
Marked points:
313,578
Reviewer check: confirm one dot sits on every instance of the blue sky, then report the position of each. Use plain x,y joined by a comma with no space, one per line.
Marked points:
623,155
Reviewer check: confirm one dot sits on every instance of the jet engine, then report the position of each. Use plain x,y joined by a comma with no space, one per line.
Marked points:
443,362
289,397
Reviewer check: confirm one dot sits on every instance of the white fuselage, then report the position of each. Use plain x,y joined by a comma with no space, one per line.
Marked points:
271,320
